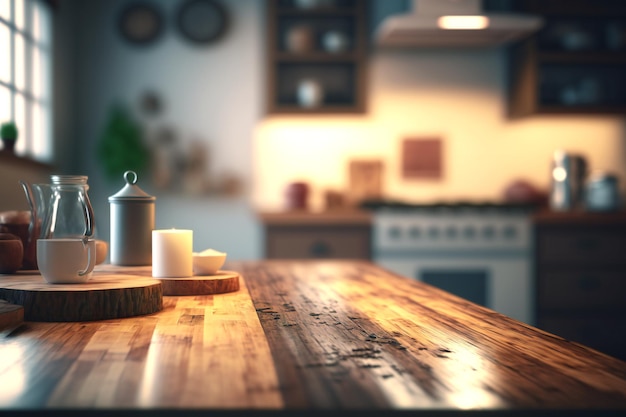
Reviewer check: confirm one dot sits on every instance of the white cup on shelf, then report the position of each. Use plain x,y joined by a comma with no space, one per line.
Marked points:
310,93
335,41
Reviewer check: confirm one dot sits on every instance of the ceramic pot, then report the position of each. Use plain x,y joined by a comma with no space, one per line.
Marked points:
297,194
9,145
300,39
17,222
11,253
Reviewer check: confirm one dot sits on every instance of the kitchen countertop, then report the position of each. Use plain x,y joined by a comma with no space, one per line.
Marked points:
305,217
579,217
307,335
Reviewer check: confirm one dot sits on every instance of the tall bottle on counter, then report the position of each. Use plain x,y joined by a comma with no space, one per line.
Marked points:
132,222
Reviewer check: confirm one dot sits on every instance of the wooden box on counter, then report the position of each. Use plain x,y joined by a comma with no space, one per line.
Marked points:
341,234
581,278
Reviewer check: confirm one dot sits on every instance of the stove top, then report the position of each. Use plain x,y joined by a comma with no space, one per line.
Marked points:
451,206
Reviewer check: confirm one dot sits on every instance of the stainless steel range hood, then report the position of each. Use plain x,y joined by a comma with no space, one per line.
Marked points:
453,23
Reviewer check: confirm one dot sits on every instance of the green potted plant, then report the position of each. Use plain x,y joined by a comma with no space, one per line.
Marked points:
121,146
8,134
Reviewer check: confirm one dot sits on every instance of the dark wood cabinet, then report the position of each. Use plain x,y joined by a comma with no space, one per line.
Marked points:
326,235
581,278
575,64
316,56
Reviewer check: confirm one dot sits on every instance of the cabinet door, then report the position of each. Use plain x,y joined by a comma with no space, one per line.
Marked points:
604,333
575,64
318,242
582,290
576,246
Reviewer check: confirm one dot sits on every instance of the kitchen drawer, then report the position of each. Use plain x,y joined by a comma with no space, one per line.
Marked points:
606,334
303,242
592,289
581,246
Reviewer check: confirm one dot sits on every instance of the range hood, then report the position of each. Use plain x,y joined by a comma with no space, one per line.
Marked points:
454,23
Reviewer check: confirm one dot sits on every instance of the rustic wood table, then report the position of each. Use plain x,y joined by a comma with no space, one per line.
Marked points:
306,335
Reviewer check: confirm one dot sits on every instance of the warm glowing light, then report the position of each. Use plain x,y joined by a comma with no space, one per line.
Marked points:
463,22
559,174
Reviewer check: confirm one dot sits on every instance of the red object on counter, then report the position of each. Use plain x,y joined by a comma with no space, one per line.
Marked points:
524,192
297,194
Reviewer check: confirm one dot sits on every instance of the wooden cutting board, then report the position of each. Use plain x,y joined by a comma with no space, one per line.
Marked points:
104,296
11,315
218,283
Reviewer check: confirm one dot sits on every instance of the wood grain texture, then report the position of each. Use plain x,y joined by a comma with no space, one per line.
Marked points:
219,283
350,335
199,352
103,296
11,315
308,335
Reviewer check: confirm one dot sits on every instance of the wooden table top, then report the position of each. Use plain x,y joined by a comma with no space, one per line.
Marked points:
307,335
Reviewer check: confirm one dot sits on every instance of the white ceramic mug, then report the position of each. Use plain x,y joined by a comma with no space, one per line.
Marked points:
66,261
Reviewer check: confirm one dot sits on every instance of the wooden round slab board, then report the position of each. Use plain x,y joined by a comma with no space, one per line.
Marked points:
11,315
218,283
103,296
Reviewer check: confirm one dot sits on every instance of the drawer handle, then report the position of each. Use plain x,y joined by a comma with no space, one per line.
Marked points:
588,284
320,249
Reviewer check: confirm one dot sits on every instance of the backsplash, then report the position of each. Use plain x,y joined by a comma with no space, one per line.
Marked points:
457,96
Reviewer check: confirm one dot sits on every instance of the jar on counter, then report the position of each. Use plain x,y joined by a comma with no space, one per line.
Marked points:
297,194
602,192
132,222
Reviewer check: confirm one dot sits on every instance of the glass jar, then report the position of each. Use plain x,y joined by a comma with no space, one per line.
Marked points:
68,213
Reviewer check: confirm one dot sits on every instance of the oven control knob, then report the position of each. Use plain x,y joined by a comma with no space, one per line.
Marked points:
395,232
509,232
433,232
415,232
469,232
452,232
489,232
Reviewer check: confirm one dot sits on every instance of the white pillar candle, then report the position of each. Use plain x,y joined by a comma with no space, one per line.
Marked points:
172,253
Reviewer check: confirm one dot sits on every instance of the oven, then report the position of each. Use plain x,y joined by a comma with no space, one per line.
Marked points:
482,253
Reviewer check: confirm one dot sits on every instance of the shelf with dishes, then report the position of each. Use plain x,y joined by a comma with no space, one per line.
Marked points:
575,64
316,56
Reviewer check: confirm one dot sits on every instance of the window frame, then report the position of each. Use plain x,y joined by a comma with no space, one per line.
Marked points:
35,126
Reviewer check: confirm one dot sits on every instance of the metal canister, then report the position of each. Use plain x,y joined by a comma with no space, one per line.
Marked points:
132,222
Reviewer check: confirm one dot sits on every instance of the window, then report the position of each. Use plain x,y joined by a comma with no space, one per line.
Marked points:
25,77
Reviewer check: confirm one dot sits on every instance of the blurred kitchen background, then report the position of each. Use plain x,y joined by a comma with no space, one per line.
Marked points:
207,101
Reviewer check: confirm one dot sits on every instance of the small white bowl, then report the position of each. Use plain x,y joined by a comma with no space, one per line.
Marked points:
208,262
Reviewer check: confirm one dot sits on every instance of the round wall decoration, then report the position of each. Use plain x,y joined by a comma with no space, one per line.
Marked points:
202,21
140,23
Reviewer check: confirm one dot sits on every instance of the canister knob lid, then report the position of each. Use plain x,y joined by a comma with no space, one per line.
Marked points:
131,191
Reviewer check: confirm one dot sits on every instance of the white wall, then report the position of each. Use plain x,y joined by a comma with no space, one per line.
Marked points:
211,93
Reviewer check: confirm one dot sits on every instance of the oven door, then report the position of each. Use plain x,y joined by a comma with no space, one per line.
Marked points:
500,283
